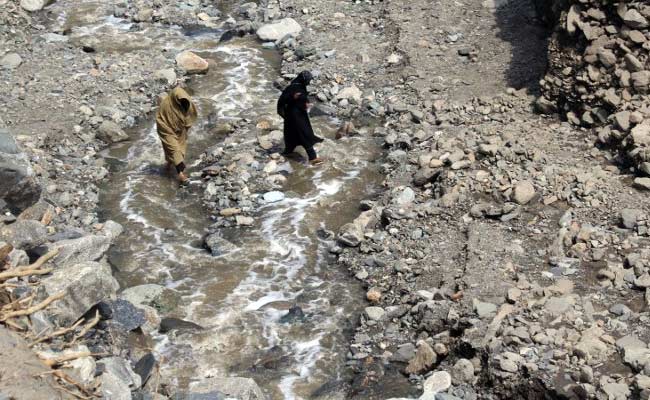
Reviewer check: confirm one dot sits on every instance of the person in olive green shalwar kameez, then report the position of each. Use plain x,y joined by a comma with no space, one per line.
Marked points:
174,119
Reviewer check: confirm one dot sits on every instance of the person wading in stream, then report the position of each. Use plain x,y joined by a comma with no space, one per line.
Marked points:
293,106
174,119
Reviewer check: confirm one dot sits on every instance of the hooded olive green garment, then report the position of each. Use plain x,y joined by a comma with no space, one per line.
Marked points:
174,123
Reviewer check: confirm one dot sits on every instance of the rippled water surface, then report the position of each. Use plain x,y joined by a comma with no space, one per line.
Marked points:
241,297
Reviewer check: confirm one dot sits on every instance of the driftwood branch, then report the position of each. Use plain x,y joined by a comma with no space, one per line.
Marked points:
33,269
52,362
58,332
32,309
13,304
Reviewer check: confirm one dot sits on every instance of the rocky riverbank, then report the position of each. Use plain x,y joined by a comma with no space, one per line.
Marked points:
79,78
507,256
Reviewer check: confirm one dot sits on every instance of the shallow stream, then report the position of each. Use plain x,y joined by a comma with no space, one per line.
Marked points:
242,298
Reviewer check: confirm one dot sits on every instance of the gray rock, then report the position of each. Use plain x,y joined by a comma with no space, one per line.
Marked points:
642,183
524,192
110,132
113,388
279,29
629,217
145,366
11,61
34,5
635,352
54,38
350,93
622,119
508,365
642,281
143,294
374,313
463,371
616,391
17,258
219,246
121,369
24,234
405,197
425,175
235,387
167,75
127,315
112,229
83,369
634,19
74,251
438,382
84,285
18,186
152,295
558,305
620,309
484,310
404,353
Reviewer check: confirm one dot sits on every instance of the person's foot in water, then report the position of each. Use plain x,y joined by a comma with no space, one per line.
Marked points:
316,161
183,179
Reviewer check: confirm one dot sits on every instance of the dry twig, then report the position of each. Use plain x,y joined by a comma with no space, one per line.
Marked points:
32,309
51,362
86,328
58,332
33,269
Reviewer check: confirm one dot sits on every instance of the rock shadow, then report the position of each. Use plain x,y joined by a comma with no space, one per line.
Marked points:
525,25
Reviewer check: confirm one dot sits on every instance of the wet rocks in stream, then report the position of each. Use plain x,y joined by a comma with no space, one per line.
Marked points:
506,257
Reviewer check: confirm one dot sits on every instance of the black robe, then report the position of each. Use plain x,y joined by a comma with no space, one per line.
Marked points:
292,106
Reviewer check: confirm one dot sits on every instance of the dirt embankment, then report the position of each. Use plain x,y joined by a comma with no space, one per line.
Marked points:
507,257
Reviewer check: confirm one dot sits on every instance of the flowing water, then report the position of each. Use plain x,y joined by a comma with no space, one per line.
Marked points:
242,298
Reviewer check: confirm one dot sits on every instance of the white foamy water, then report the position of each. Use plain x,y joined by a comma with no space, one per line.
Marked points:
240,297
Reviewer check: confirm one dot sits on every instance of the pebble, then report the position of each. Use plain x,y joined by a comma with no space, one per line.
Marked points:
11,61
374,313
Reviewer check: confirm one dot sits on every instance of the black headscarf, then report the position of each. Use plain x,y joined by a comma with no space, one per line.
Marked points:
303,78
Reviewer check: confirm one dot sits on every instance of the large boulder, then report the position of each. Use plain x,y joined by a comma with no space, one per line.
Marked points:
279,29
235,387
23,234
84,285
18,186
191,63
75,251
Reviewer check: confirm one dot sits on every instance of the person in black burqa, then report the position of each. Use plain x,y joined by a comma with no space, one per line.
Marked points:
292,107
